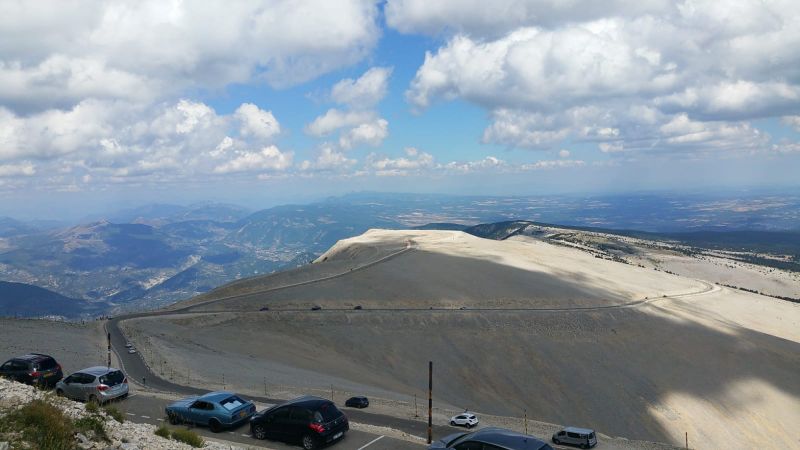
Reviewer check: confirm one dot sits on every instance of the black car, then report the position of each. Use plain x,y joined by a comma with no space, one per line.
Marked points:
310,421
33,368
357,402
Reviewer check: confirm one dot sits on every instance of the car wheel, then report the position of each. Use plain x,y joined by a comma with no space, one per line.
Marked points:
556,441
214,425
453,423
309,443
584,446
59,392
173,418
259,432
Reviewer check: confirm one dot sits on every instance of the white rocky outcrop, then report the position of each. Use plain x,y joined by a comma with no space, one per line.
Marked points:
122,436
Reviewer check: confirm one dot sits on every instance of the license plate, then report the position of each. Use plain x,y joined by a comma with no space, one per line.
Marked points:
337,435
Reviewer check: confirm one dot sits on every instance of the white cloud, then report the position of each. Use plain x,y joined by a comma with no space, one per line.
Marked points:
328,159
364,92
370,133
563,153
552,164
489,162
56,54
11,170
475,17
611,73
414,161
792,121
257,122
270,158
335,119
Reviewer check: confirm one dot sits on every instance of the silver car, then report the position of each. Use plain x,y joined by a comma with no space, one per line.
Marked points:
582,437
96,384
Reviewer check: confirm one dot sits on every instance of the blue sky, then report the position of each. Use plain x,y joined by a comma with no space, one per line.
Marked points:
106,104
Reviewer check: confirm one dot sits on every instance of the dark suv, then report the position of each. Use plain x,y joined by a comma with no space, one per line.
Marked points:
311,421
33,368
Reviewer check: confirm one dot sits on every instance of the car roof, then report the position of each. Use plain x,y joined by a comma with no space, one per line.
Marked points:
578,430
308,401
32,357
98,370
507,438
216,396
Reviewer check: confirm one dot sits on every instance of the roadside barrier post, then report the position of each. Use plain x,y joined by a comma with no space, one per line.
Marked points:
265,385
430,401
416,413
525,413
109,350
687,440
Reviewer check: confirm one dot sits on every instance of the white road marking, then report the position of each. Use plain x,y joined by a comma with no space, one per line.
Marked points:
131,414
160,420
145,417
371,442
245,435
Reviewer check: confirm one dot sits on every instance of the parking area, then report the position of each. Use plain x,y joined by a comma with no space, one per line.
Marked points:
143,408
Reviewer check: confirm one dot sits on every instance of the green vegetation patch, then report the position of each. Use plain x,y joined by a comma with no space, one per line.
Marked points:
188,437
40,425
162,431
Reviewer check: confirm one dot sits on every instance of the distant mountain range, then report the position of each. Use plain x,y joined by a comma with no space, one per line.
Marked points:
157,254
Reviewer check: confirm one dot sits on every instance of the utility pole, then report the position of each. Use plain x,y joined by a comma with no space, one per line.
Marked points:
416,414
430,401
109,350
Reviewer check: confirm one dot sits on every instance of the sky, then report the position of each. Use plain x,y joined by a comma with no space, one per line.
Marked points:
110,104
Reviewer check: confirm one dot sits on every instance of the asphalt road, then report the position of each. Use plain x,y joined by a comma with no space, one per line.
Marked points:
142,408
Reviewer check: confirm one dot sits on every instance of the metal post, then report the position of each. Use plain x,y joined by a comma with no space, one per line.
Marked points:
331,392
430,401
223,381
525,412
416,413
687,440
109,350
265,385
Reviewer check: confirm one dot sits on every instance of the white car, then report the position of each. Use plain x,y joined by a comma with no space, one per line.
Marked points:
468,420
131,350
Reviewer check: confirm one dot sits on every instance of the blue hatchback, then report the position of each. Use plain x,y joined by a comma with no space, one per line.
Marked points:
217,410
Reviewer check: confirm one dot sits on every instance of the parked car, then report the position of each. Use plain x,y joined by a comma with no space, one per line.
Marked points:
264,308
465,419
357,402
316,308
490,439
582,437
98,384
358,307
311,421
217,410
33,368
131,350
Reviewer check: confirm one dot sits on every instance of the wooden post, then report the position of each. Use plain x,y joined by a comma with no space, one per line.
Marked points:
687,440
109,350
416,413
430,401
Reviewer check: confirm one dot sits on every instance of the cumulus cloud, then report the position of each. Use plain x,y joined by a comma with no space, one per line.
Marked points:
792,121
114,140
414,161
364,92
55,53
269,158
360,97
552,71
370,133
257,122
328,159
11,170
334,119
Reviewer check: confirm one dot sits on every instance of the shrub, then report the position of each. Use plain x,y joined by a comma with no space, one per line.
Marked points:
92,407
115,413
162,431
92,424
188,437
42,425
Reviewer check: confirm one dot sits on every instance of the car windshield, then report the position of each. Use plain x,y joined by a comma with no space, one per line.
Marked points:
327,413
112,378
232,403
